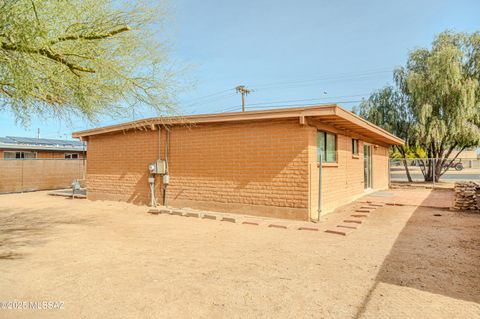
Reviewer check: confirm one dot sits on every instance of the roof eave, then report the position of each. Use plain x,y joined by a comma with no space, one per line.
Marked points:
311,111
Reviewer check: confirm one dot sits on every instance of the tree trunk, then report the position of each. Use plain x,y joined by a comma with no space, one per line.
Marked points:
442,165
407,170
433,165
401,149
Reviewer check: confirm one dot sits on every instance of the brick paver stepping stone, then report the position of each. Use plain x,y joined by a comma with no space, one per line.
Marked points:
228,219
349,225
359,215
363,210
153,211
339,231
394,204
176,213
376,205
308,228
208,216
354,221
277,226
191,215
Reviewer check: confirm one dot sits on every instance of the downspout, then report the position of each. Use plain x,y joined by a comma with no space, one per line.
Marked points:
166,177
159,141
84,170
320,174
152,177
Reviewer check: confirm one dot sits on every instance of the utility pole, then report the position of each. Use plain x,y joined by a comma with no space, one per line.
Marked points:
244,91
38,132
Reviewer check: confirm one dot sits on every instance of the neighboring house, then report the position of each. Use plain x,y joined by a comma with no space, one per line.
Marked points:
12,147
260,162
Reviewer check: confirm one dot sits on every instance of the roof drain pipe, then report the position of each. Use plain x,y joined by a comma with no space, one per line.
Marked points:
320,174
166,177
151,177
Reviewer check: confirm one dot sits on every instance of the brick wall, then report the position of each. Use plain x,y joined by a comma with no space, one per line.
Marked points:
117,168
242,164
240,167
30,175
265,168
343,181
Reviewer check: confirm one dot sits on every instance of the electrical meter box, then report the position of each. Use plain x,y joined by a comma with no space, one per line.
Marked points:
157,167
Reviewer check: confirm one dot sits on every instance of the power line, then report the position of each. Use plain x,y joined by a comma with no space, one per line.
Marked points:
195,100
304,104
320,99
199,104
290,84
310,99
324,78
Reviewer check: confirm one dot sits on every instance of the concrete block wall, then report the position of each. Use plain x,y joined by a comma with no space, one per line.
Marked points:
118,165
31,175
264,168
255,167
343,181
252,168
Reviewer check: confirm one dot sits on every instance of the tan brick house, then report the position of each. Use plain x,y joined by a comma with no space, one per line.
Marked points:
260,162
16,148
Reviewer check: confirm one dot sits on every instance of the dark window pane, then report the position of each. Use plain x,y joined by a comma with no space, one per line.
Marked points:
354,146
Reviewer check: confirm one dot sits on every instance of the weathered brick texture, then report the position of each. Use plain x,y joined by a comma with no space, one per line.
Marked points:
257,167
344,181
261,164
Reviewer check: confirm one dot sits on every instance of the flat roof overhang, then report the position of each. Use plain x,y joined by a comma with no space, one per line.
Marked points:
331,114
40,148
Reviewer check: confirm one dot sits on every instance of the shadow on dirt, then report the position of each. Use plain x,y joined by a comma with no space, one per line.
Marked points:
437,252
28,228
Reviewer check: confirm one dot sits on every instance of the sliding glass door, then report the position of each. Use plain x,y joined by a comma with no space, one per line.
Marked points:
367,166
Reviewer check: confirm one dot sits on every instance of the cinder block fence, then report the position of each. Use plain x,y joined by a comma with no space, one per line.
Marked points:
39,174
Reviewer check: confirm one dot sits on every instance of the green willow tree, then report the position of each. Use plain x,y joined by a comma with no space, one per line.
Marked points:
441,85
83,57
390,109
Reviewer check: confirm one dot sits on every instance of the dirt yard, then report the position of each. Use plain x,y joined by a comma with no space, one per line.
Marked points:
113,260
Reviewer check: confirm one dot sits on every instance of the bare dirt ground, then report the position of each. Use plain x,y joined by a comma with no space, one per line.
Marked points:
113,260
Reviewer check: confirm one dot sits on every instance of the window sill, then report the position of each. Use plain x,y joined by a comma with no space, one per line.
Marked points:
355,156
327,164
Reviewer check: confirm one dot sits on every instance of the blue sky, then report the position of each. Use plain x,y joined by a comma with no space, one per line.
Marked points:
288,52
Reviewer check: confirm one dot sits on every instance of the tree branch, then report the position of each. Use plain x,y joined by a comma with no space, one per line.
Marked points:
454,158
35,11
91,37
51,55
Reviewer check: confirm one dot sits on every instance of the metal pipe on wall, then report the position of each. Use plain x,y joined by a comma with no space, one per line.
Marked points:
152,177
159,141
166,177
320,173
